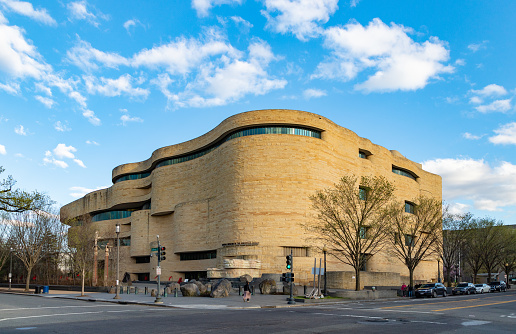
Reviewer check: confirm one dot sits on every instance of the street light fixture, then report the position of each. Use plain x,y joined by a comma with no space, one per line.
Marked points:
507,275
325,250
117,262
11,268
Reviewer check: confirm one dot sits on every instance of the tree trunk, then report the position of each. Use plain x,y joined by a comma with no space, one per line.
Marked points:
27,281
489,275
475,277
357,279
82,288
411,275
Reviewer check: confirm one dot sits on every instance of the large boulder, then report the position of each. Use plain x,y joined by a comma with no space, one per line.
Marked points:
173,286
202,287
246,278
286,289
190,290
221,289
267,286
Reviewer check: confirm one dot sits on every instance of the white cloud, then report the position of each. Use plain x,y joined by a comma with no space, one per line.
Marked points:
129,24
496,106
78,192
11,88
460,62
400,63
2,150
491,90
26,9
490,188
478,46
310,93
458,208
86,57
183,55
299,17
48,102
246,25
354,3
126,119
40,87
20,130
79,162
233,79
61,127
92,142
203,6
49,159
63,151
475,100
19,155
470,136
79,11
505,135
90,115
114,87
18,57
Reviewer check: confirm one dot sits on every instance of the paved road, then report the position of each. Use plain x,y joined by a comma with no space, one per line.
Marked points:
492,313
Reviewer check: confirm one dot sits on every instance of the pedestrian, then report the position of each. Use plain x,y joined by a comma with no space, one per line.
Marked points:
410,290
247,292
404,290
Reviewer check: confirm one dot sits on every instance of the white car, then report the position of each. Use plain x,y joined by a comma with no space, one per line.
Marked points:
481,288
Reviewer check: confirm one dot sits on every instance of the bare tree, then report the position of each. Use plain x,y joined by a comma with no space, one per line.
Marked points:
454,237
352,219
416,231
81,239
509,252
15,200
29,235
494,235
474,247
5,241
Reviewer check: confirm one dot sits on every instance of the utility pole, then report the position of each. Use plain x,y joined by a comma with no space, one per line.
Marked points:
11,269
117,296
161,256
95,263
106,265
291,279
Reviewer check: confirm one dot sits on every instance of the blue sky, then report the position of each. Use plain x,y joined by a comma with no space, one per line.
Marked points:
89,85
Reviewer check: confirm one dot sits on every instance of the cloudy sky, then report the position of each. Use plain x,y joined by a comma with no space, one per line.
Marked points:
89,85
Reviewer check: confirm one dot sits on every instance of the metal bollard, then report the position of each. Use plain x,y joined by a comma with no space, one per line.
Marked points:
252,290
239,290
135,290
165,293
175,292
146,290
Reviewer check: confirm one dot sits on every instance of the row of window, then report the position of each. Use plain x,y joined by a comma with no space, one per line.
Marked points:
126,241
409,239
203,255
237,134
108,215
396,170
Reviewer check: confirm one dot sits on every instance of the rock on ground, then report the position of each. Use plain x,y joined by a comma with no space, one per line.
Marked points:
221,289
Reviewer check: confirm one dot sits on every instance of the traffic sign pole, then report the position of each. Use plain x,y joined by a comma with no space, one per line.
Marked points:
158,269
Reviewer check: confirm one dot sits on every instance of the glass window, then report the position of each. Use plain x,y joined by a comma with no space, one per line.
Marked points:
362,193
402,172
237,134
409,240
109,215
363,232
409,207
190,256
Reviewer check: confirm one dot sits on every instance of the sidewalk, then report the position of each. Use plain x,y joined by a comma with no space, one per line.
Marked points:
234,301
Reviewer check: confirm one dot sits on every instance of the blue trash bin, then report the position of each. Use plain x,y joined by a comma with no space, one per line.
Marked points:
45,289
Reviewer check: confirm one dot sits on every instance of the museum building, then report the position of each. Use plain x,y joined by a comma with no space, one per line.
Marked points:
233,201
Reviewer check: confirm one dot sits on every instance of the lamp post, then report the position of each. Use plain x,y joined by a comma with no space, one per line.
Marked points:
11,268
438,270
117,262
507,275
325,269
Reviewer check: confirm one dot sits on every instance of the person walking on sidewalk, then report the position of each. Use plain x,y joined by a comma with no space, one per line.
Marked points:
247,292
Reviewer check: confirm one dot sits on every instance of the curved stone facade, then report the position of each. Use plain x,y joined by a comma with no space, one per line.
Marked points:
238,206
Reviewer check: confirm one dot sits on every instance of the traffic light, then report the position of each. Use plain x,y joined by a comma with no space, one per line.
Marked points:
287,277
289,261
161,253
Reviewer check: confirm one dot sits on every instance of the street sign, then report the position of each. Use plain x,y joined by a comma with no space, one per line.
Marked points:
315,271
158,270
154,249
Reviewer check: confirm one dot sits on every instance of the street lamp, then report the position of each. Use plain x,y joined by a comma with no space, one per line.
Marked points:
11,268
117,262
325,269
507,275
438,270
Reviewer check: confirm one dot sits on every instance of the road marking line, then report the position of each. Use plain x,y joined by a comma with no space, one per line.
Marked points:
413,305
51,307
49,315
403,311
456,308
430,322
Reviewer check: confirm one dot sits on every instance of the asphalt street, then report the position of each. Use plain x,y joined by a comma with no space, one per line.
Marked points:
492,313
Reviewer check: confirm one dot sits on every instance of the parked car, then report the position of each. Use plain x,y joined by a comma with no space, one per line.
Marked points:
481,288
431,290
498,286
464,289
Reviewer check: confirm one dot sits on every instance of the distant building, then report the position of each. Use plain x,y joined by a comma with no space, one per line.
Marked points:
232,201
